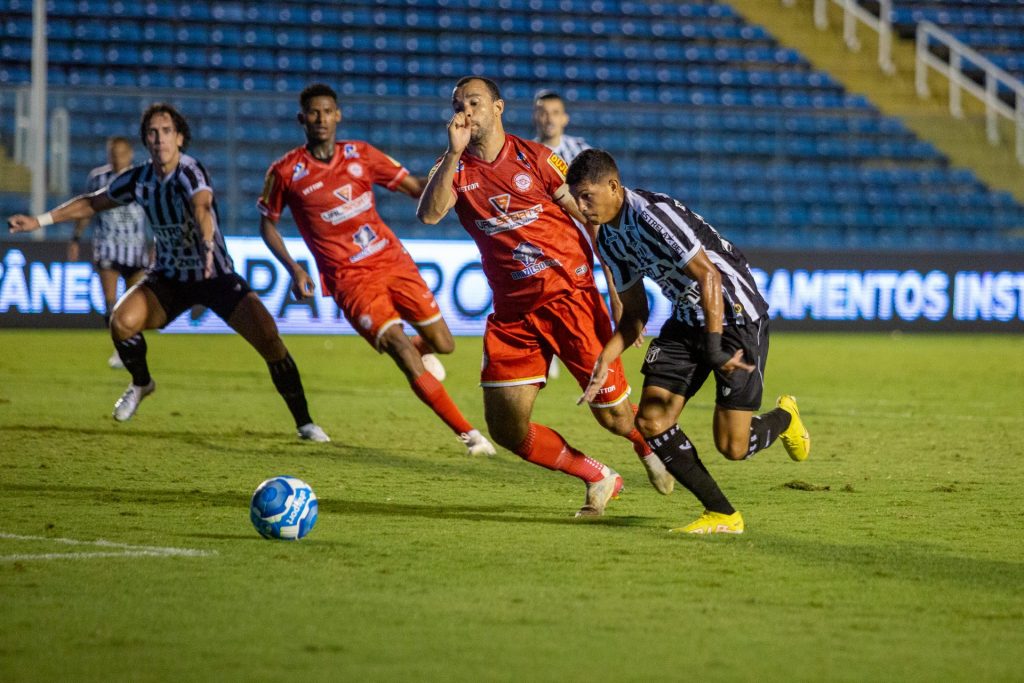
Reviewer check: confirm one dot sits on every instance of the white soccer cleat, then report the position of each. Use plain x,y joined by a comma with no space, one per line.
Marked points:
477,443
312,432
434,366
553,371
600,492
130,400
661,479
115,361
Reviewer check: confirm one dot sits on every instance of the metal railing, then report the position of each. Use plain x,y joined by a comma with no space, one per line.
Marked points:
994,80
853,13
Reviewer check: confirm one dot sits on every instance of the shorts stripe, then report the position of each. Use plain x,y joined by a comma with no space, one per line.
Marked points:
515,382
385,326
620,399
429,321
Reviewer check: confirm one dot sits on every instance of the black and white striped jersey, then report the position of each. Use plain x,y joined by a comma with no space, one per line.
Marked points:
657,237
180,252
569,148
119,234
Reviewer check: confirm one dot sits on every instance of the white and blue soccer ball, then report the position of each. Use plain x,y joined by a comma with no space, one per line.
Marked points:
283,507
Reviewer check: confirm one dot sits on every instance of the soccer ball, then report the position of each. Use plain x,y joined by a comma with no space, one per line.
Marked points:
283,507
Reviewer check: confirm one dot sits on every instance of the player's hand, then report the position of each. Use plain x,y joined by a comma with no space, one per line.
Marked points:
302,284
736,363
458,133
598,376
19,222
73,250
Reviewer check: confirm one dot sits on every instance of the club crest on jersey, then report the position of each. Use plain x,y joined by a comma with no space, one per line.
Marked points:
652,354
300,171
355,169
523,181
530,255
350,151
500,202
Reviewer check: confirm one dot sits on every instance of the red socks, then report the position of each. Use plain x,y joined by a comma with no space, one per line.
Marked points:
433,393
640,446
546,447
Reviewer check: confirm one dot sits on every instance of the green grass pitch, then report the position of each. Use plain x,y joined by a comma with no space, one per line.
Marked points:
895,552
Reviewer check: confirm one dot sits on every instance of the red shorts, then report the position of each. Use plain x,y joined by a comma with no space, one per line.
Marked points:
575,328
374,302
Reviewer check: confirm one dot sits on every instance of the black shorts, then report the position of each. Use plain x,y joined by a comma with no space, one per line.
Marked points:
220,294
124,270
675,361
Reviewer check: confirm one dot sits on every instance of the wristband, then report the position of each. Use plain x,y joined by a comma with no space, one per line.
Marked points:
713,352
45,219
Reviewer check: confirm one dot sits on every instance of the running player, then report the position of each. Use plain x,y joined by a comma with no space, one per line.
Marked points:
510,196
719,324
550,120
119,244
192,265
328,185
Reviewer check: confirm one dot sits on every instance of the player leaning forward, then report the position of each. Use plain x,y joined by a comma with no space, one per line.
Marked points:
328,185
510,196
192,264
719,324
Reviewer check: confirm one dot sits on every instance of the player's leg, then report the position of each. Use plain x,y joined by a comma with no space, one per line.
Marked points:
508,410
139,309
251,319
739,433
415,303
108,283
394,342
433,338
576,328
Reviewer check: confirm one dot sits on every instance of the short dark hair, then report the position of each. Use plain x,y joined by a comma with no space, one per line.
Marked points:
591,166
316,90
180,124
492,87
544,95
118,140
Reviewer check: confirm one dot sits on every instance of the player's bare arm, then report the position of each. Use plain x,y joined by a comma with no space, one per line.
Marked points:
630,327
73,245
202,207
438,198
83,206
412,186
704,273
302,283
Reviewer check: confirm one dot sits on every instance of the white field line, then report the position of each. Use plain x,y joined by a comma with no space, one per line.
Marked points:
123,550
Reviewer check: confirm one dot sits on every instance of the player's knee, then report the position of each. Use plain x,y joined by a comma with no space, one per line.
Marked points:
124,324
650,423
733,450
507,434
617,420
444,345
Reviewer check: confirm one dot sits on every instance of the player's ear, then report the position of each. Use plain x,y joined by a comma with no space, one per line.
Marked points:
499,105
301,118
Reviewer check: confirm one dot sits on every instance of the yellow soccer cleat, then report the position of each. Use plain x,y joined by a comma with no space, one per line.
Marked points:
713,523
795,437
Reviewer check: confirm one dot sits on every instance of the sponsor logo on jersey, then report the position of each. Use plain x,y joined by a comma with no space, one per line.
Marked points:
582,270
558,163
522,158
299,171
350,151
355,169
509,221
365,321
530,255
523,181
366,239
351,207
500,202
313,188
393,160
467,188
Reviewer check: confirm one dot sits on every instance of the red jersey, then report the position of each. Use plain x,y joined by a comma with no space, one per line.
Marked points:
333,206
532,251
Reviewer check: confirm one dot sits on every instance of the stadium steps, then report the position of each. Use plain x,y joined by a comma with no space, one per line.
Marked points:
963,141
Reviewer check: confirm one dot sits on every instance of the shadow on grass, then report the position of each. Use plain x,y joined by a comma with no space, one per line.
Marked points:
233,499
914,562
